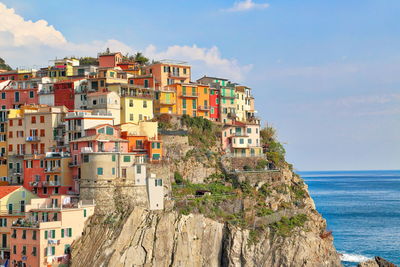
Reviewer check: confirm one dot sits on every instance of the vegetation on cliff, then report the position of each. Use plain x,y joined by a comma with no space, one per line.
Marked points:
4,65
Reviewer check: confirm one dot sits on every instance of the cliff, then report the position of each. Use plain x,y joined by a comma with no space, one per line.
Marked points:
245,215
140,237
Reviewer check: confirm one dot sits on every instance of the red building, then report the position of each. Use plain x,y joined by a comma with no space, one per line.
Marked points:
146,81
18,93
214,104
109,60
49,175
64,92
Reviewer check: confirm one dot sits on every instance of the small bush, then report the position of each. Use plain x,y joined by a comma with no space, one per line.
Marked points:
246,168
285,226
178,178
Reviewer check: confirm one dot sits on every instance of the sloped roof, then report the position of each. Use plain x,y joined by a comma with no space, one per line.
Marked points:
6,190
99,137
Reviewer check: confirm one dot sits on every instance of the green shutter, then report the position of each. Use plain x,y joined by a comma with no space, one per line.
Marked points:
184,103
99,171
194,103
45,234
113,157
53,250
45,251
193,90
53,233
127,158
183,90
84,210
62,233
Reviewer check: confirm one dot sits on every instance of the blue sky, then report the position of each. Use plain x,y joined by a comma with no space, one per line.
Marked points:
325,73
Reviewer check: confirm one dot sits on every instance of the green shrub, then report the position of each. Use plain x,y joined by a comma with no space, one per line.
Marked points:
246,168
264,190
285,226
178,178
264,211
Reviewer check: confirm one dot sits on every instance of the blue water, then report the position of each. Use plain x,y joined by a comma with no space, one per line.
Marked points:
362,209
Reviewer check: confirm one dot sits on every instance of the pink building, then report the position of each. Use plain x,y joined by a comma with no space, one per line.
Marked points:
19,93
101,138
50,226
242,139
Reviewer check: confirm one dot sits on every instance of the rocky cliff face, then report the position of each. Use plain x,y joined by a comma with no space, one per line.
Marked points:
139,237
169,239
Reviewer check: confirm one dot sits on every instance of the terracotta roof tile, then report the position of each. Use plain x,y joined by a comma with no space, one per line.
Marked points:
6,190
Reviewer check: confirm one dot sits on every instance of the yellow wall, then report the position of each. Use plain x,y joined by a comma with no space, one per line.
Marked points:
166,104
144,128
240,105
15,198
137,110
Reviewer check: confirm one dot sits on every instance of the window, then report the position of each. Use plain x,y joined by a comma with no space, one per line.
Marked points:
33,119
146,83
46,235
42,133
113,157
62,233
241,141
193,90
158,182
33,235
20,122
194,103
183,90
249,141
138,169
127,158
85,158
145,104
249,130
3,222
69,232
131,117
3,95
34,252
41,119
10,134
131,103
31,94
84,213
99,171
113,171
10,122
217,101
183,103
23,234
14,249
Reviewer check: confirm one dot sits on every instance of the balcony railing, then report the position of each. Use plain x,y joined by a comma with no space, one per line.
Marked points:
51,183
203,108
33,139
169,102
54,169
191,95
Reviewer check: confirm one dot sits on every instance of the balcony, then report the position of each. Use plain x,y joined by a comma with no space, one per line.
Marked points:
33,139
36,184
203,108
72,164
51,183
169,102
16,171
190,96
177,75
52,170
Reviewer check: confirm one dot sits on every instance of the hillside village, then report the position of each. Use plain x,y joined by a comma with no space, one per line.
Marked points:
73,132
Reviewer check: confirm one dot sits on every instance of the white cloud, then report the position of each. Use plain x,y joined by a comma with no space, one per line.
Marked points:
246,5
42,42
23,32
209,60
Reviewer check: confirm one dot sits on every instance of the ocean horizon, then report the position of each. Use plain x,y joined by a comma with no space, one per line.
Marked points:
362,209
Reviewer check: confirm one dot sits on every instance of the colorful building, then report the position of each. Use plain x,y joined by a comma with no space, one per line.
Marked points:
62,68
3,146
167,72
242,139
44,236
64,92
32,131
227,97
109,60
165,101
136,103
105,103
77,122
49,175
143,139
19,93
13,202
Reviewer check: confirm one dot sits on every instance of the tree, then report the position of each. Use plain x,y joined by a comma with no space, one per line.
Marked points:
84,61
274,150
3,65
139,57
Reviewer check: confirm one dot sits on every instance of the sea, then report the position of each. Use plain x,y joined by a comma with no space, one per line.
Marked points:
362,208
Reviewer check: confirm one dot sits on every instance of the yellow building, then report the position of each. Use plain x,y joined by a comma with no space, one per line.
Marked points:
165,101
240,102
13,200
144,128
136,104
3,146
62,69
107,78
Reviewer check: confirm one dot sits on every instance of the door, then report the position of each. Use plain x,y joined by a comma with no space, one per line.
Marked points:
22,203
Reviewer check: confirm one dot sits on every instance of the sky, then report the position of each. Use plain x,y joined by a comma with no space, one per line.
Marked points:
325,74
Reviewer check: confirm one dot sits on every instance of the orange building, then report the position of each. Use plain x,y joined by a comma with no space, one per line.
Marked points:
192,99
167,72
